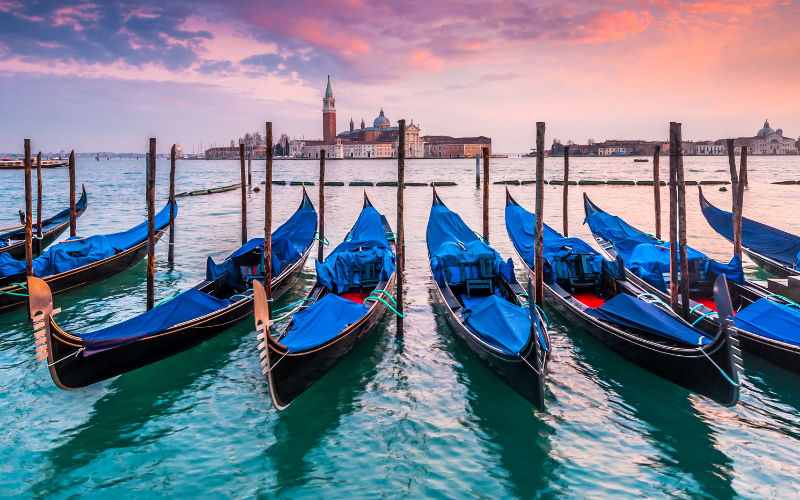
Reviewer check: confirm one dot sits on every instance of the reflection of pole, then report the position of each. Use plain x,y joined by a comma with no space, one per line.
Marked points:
538,237
151,225
673,217
737,216
171,251
401,253
566,192
486,194
28,211
268,220
244,194
477,171
657,189
321,255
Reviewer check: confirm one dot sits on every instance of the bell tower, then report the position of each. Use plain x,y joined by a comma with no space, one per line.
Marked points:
328,113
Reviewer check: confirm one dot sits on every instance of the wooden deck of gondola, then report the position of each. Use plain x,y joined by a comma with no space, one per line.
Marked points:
17,250
781,354
292,373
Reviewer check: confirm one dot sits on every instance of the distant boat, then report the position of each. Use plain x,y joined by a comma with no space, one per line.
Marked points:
619,153
641,160
593,155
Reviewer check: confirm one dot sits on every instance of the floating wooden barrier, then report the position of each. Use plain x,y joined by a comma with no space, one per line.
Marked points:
690,183
437,184
361,183
415,184
650,183
621,183
300,183
508,183
334,183
201,192
561,183
590,183
712,183
785,182
531,182
394,184
279,183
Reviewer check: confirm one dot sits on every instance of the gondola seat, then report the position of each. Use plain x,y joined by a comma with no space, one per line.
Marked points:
368,277
483,275
576,269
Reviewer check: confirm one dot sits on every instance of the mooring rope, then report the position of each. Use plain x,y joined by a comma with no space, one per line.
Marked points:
276,363
532,368
720,369
67,356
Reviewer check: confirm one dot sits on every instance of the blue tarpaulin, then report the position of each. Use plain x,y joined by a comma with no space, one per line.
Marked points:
501,324
648,257
771,320
289,242
451,242
766,240
77,252
635,313
187,306
521,228
368,235
322,321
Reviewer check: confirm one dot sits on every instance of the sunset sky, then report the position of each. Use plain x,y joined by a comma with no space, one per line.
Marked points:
107,76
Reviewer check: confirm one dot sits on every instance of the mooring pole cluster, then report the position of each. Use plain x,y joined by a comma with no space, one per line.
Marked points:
171,251
244,194
657,188
486,194
73,217
566,192
28,211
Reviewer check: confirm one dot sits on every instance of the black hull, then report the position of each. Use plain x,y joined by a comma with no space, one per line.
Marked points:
17,250
516,373
80,277
74,372
771,266
292,374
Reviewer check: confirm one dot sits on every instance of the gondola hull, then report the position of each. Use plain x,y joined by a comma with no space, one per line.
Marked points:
17,250
290,375
525,375
73,370
771,266
80,277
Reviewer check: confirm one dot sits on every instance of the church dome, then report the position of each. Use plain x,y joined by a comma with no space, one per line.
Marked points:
766,130
381,121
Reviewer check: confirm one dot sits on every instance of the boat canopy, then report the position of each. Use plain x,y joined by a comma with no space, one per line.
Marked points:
768,241
635,313
771,320
289,243
648,257
501,324
366,243
77,252
321,322
187,306
521,226
452,243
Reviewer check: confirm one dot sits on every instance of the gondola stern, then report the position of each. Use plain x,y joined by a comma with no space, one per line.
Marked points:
305,202
589,207
367,203
510,201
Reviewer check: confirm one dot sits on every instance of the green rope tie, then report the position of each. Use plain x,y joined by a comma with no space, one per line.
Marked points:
790,301
392,236
20,284
703,316
293,304
546,321
387,305
378,290
325,242
16,294
480,237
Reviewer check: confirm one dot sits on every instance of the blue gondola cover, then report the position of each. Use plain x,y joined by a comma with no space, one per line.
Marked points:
321,322
59,218
187,306
369,236
77,252
635,313
769,241
501,324
773,321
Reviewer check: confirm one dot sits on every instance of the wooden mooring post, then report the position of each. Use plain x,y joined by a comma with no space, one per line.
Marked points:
39,204
151,225
734,178
673,218
486,194
244,194
171,251
737,215
682,238
566,192
73,216
321,252
538,238
268,219
401,252
250,169
28,212
657,188
477,171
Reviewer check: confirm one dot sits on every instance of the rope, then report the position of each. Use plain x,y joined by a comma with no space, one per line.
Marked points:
703,316
20,284
17,294
240,295
280,318
720,369
546,321
387,305
68,356
655,300
480,237
324,242
393,237
532,368
293,304
378,290
276,363
791,302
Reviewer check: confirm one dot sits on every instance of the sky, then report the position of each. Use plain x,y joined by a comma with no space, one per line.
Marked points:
103,76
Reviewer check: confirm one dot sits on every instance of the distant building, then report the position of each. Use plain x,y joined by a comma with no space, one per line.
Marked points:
771,142
706,148
443,146
232,152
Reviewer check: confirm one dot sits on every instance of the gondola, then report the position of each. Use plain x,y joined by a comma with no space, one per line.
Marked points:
78,262
12,243
775,251
175,325
767,325
484,304
595,296
334,317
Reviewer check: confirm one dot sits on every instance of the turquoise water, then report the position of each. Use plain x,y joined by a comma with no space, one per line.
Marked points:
404,416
